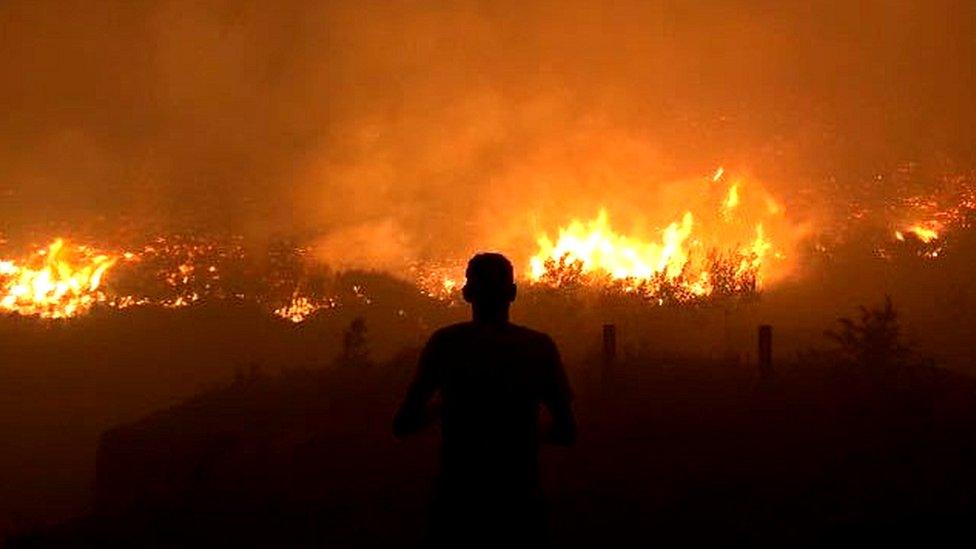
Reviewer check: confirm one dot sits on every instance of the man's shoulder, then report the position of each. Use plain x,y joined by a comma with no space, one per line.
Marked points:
530,335
463,330
449,333
451,330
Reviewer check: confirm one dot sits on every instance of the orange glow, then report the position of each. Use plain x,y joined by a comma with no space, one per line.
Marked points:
924,234
701,250
297,310
696,256
597,247
59,281
439,281
757,251
449,285
731,200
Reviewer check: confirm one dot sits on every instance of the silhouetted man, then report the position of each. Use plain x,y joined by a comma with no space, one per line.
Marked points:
492,376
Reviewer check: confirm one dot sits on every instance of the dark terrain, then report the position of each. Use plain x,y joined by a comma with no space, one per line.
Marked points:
692,453
220,424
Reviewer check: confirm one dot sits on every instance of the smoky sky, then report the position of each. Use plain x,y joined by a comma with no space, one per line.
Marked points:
391,129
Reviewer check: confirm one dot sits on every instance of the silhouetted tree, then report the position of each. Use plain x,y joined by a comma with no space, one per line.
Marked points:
871,341
564,272
355,351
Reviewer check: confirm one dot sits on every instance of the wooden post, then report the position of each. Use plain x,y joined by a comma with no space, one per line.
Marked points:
765,351
609,352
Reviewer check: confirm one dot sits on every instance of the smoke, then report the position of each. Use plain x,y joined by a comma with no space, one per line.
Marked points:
396,132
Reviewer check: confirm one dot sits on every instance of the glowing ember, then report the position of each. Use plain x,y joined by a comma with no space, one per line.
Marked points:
440,281
298,309
57,282
948,206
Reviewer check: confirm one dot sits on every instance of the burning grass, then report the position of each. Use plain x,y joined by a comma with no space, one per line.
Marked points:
59,281
729,238
717,252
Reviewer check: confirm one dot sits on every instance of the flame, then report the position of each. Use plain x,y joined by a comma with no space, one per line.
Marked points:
597,247
731,199
63,281
925,234
650,268
440,281
56,282
449,285
948,206
759,248
297,310
688,259
702,251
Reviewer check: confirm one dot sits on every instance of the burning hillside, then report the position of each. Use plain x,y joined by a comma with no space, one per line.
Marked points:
724,250
731,239
65,279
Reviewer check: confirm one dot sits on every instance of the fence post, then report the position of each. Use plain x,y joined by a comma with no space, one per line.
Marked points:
609,353
765,351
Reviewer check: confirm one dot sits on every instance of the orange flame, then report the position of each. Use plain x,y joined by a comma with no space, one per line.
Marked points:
731,199
688,260
56,282
925,234
297,310
598,248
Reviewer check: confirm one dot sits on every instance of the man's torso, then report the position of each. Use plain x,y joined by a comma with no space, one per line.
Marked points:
492,378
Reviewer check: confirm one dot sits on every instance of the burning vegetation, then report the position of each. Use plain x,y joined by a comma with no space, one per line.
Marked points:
926,217
59,281
684,265
732,243
65,279
724,252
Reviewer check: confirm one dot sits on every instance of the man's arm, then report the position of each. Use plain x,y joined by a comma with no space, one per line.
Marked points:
412,415
557,398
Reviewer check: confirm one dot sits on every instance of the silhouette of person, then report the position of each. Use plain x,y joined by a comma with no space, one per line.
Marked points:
492,377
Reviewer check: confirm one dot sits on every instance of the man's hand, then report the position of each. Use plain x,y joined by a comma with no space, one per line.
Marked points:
410,419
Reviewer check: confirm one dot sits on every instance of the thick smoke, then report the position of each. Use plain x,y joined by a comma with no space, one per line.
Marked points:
398,132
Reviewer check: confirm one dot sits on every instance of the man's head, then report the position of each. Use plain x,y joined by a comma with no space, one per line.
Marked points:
490,282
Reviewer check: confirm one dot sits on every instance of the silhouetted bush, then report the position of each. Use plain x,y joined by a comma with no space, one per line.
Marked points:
355,349
872,341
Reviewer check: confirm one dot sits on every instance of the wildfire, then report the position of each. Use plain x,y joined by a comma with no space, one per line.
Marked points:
688,259
723,249
59,281
731,199
439,281
946,207
64,281
299,309
922,232
596,247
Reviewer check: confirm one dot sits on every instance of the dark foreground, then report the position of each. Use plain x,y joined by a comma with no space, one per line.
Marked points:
673,455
